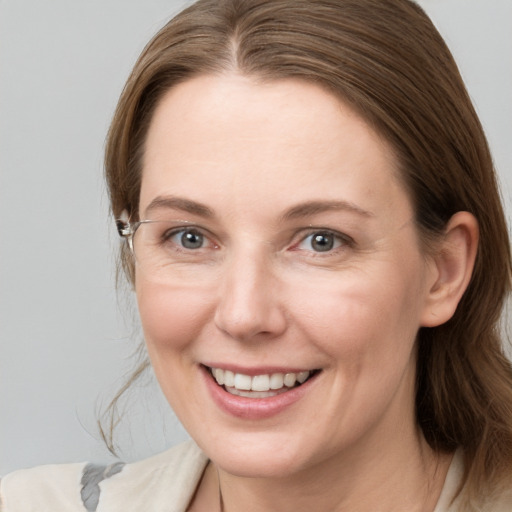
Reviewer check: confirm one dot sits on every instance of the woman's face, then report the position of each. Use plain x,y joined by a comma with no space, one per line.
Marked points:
293,255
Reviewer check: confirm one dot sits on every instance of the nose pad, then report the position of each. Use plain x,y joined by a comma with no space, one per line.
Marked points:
249,305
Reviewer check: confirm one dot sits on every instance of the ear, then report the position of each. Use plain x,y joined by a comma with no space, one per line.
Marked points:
452,268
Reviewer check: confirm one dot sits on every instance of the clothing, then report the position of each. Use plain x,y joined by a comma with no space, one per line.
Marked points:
163,483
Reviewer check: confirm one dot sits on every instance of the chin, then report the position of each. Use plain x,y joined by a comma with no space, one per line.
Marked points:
247,466
254,455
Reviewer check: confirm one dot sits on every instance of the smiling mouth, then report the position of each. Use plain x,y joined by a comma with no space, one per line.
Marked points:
260,386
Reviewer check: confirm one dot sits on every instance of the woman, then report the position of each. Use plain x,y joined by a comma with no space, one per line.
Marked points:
314,234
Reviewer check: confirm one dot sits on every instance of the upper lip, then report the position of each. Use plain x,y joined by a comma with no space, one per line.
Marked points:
258,370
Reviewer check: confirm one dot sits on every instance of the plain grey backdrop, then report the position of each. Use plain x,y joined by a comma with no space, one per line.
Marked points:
65,339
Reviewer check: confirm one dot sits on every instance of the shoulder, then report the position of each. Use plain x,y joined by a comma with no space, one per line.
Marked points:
449,502
166,481
41,487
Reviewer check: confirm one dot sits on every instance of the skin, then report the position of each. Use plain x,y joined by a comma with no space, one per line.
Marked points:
259,294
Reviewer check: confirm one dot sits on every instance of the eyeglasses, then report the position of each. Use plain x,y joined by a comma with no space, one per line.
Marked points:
167,250
161,247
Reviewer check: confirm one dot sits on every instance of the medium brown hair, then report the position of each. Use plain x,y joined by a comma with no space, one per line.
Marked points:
386,59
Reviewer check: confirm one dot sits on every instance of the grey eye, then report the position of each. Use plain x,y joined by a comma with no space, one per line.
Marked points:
189,239
322,242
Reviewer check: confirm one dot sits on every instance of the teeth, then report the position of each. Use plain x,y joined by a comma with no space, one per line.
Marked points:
302,376
252,394
229,378
289,379
259,383
219,376
276,381
242,382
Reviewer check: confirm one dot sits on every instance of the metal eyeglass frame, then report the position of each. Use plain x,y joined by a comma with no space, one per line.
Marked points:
127,229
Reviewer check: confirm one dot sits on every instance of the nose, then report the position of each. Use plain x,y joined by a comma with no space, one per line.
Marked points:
249,305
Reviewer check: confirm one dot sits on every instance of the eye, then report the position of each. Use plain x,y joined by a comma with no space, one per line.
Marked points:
188,239
322,241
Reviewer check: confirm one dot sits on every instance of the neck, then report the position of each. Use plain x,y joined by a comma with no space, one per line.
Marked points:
408,476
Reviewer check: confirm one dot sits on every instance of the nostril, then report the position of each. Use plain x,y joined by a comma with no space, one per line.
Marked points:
248,303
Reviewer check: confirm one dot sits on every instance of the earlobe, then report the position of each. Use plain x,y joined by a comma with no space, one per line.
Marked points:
452,269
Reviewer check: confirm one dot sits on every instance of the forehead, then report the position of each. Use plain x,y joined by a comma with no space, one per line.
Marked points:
231,138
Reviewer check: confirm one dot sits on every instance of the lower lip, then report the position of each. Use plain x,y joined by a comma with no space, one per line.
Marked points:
254,408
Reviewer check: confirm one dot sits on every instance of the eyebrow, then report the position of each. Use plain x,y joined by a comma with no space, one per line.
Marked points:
315,207
179,203
301,210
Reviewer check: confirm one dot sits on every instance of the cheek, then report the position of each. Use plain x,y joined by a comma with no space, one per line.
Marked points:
170,316
361,317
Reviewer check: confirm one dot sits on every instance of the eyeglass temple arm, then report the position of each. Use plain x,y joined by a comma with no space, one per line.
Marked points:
123,225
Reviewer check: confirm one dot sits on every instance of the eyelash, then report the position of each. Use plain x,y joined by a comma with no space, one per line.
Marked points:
169,235
340,241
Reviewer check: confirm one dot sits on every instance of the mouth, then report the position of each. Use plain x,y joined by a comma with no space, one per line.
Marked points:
264,385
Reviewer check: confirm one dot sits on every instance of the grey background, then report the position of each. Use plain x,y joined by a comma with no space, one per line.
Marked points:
65,339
